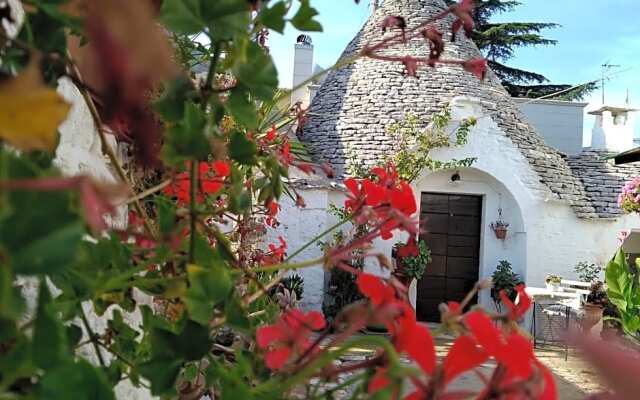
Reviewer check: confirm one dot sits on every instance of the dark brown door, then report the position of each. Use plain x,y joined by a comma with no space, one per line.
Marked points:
451,229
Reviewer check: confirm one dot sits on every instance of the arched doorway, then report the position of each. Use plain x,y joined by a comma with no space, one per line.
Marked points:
455,219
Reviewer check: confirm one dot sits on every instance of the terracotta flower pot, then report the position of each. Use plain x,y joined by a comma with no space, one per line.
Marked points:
501,233
592,315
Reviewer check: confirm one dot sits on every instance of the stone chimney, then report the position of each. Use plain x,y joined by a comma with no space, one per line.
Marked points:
302,69
374,6
613,129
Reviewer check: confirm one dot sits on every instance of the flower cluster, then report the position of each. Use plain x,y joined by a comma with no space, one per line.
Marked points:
211,180
629,199
382,200
518,371
288,337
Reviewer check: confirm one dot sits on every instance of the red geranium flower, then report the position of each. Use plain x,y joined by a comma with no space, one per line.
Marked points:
410,249
516,311
289,336
514,352
272,133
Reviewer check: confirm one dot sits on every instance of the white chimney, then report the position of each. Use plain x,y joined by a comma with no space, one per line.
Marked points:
613,129
302,69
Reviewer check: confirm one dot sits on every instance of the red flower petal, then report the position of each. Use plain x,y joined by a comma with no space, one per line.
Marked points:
271,135
222,168
266,335
379,381
277,358
375,289
463,356
416,340
352,185
211,186
402,199
375,194
487,335
315,320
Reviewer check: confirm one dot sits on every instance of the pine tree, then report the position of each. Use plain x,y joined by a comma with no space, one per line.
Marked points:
499,41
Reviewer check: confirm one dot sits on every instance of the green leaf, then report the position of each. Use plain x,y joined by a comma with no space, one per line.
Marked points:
303,20
16,361
188,139
51,253
209,287
11,302
255,71
171,104
79,380
49,338
226,18
166,214
182,16
240,202
273,17
242,150
162,375
237,315
242,109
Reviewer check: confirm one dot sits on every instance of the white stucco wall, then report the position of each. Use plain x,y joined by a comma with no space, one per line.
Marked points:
561,123
298,227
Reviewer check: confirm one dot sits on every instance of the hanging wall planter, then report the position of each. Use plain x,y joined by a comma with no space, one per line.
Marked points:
500,228
500,231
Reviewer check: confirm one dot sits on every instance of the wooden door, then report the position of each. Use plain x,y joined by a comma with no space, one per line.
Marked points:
451,229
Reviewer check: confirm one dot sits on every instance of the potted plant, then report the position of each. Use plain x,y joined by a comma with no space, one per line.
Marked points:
553,283
504,279
412,259
594,306
500,228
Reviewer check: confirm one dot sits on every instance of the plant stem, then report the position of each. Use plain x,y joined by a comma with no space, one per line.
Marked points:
194,173
113,159
315,239
92,336
289,266
193,214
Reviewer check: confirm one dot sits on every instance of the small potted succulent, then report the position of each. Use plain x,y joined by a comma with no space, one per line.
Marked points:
553,283
412,259
594,306
500,227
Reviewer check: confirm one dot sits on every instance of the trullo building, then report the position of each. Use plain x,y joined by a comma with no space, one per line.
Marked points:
561,206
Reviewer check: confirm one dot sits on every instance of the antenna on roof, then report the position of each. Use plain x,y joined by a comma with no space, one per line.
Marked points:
606,67
627,96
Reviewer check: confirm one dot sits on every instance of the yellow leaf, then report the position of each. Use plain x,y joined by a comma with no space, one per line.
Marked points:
30,112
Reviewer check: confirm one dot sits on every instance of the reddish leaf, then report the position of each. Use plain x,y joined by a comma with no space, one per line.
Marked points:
477,66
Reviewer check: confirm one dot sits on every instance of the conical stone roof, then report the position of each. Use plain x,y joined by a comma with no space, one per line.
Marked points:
350,114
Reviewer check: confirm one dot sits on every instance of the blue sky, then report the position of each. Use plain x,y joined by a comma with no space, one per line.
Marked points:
593,32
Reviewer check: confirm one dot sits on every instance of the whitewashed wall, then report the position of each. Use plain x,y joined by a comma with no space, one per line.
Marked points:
298,227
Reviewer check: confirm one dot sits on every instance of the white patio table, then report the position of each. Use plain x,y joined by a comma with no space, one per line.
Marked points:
568,298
